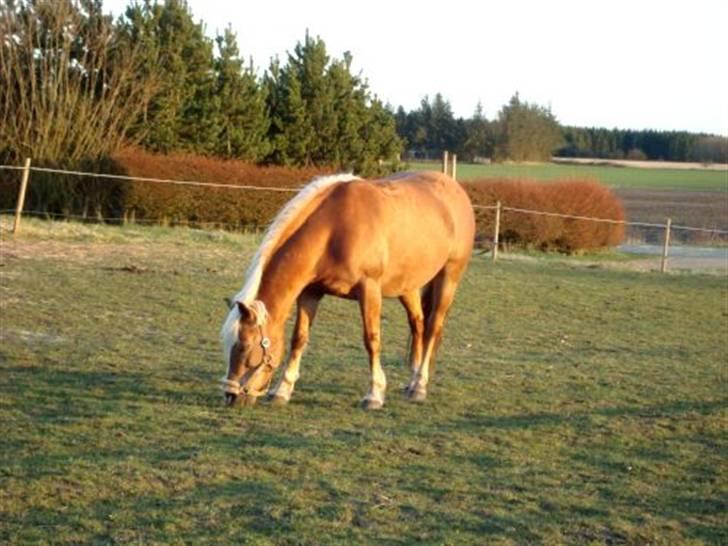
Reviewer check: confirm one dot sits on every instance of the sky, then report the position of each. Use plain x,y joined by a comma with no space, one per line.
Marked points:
638,64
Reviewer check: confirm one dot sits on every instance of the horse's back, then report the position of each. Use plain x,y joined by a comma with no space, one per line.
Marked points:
401,230
446,196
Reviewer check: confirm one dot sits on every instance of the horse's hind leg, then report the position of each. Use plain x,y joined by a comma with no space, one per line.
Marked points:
370,303
443,293
412,303
305,313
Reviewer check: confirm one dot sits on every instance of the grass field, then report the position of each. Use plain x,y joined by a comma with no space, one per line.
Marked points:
616,177
572,404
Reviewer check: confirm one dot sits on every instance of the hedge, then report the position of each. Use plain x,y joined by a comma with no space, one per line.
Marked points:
573,197
226,207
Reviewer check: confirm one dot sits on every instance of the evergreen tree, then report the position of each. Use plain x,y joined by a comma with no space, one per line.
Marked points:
442,130
322,114
242,118
291,132
432,128
526,132
183,114
479,139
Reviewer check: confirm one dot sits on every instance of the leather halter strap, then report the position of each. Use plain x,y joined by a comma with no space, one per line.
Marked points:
230,386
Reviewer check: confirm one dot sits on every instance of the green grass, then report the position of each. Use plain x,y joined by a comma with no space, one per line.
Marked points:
617,177
571,405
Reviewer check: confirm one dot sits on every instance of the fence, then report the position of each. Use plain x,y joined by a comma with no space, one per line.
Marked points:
449,166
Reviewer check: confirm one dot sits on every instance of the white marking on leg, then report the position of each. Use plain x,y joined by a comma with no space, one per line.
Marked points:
422,376
379,382
287,382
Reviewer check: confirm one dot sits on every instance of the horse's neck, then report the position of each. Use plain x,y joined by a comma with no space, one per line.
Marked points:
283,280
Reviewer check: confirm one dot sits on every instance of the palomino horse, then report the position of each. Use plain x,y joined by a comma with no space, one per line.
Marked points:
409,236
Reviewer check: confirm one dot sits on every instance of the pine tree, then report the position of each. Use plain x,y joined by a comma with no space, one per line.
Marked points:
242,120
322,114
526,132
478,136
442,130
291,132
183,114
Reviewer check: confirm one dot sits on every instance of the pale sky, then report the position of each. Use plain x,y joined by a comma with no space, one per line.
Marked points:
637,64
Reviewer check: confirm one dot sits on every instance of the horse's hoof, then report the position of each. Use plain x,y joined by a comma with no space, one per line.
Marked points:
275,400
416,395
372,404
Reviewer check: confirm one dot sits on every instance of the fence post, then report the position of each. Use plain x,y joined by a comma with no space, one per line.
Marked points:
666,246
21,196
444,162
496,232
454,166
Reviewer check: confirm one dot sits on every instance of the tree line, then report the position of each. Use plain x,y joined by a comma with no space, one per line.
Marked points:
528,132
521,131
641,145
76,86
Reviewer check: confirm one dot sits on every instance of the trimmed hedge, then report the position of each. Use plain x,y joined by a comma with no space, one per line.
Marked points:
96,198
202,205
226,207
574,197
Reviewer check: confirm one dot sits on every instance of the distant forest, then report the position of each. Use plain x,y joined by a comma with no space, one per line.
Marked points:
76,86
528,132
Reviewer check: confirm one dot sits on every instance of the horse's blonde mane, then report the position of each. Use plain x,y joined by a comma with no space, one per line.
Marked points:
288,214
271,239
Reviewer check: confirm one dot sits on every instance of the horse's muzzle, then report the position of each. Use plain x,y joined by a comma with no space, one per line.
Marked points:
235,395
230,386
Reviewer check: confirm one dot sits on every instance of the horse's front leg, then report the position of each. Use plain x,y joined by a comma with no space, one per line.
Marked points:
370,303
307,304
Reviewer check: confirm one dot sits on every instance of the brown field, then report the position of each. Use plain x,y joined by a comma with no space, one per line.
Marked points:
702,209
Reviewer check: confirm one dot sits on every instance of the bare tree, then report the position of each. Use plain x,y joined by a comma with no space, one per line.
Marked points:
69,90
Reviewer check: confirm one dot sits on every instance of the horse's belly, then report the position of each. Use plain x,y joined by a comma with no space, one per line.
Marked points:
412,268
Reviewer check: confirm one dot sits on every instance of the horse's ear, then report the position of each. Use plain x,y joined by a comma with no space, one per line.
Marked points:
246,313
254,312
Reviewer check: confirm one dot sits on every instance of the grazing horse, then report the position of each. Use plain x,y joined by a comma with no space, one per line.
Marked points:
409,236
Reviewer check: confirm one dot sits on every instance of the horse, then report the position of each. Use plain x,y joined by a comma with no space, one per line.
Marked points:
409,236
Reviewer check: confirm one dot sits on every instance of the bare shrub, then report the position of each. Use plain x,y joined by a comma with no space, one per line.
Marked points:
71,89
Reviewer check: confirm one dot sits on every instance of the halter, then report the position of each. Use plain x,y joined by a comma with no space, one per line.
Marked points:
230,386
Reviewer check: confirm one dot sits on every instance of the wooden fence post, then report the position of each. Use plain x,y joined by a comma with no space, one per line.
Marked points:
21,196
666,246
496,232
454,166
444,162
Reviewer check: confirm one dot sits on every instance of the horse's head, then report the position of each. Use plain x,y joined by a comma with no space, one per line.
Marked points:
251,355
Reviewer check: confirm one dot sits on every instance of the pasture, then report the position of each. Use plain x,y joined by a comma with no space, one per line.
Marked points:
617,177
573,403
